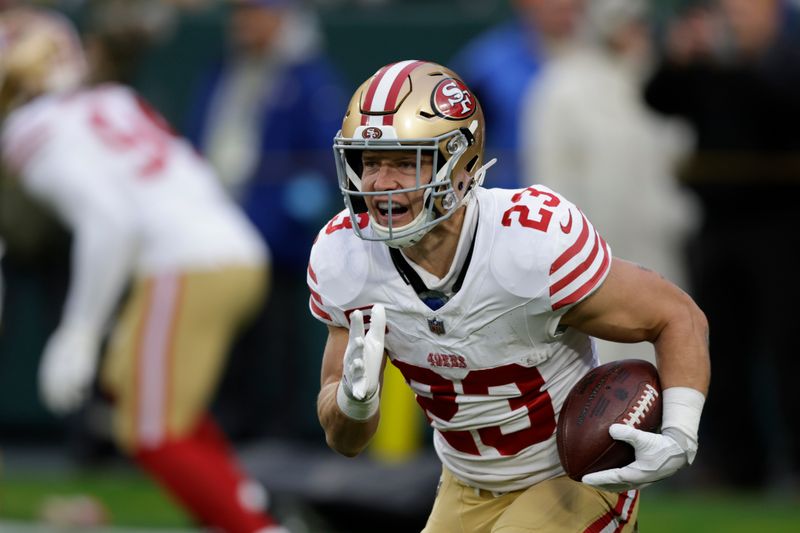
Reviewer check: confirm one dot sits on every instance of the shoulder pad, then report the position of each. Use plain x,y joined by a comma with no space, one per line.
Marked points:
520,222
339,264
25,131
546,247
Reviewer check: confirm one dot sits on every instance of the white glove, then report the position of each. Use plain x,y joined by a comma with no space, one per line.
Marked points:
658,456
68,367
357,395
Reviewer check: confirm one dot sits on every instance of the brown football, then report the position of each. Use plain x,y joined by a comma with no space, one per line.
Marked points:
626,392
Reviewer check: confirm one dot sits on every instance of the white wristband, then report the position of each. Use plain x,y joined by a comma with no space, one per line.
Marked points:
682,409
355,409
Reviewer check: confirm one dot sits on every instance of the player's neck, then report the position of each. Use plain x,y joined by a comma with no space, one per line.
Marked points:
436,250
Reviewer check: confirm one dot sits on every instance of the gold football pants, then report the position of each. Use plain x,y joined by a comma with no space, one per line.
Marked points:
169,348
558,505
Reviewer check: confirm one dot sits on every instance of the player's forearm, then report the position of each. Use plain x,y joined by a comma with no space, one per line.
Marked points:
102,259
343,434
682,349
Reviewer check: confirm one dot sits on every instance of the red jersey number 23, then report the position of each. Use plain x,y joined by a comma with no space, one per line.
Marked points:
523,213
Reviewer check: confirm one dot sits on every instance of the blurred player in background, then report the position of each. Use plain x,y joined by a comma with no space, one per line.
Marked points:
485,300
144,209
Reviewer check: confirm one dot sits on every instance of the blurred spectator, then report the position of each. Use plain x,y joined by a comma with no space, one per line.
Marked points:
144,211
733,70
499,66
265,116
590,136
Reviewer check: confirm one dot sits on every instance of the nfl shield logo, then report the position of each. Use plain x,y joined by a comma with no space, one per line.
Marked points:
436,325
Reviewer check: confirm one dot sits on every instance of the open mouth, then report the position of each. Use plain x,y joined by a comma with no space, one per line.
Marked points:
398,215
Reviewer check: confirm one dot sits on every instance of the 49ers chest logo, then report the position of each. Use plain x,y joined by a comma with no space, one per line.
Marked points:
452,100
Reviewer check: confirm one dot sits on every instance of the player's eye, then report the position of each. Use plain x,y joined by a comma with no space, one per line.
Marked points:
370,167
407,166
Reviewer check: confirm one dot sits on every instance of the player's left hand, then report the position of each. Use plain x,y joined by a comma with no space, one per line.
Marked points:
357,395
363,356
68,367
658,456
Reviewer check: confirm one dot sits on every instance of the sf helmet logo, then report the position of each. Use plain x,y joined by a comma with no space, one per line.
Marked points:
452,100
372,133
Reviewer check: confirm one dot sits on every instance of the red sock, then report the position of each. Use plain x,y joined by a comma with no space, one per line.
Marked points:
201,472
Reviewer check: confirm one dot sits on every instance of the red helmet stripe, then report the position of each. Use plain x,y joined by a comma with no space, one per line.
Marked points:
376,80
391,98
383,91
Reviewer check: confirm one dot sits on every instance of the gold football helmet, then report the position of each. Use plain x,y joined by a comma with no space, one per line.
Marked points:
416,106
40,52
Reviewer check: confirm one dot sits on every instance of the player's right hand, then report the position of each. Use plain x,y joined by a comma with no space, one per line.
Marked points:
68,368
363,360
658,456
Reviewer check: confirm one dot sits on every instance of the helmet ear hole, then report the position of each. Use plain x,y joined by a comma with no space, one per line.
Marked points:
471,164
441,160
353,158
354,161
359,205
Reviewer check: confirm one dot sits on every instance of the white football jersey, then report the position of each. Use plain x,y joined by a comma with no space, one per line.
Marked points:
106,148
491,368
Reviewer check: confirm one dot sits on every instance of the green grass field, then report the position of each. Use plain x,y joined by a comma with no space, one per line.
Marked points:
132,501
670,512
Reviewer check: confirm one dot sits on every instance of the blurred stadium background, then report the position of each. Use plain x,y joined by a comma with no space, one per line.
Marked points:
46,462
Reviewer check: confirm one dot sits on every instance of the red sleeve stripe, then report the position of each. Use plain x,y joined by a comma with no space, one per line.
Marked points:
319,312
573,250
311,273
578,270
315,296
614,520
587,287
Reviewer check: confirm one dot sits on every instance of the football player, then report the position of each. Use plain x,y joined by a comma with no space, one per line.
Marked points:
144,209
485,299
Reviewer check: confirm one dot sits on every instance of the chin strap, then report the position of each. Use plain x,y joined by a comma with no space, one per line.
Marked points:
433,299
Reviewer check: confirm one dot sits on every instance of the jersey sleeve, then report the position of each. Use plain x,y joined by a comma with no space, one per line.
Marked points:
580,258
545,252
322,309
21,142
337,270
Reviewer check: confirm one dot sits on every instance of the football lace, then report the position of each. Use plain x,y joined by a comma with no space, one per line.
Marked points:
642,406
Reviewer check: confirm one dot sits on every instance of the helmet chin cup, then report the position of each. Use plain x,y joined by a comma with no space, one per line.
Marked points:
406,236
